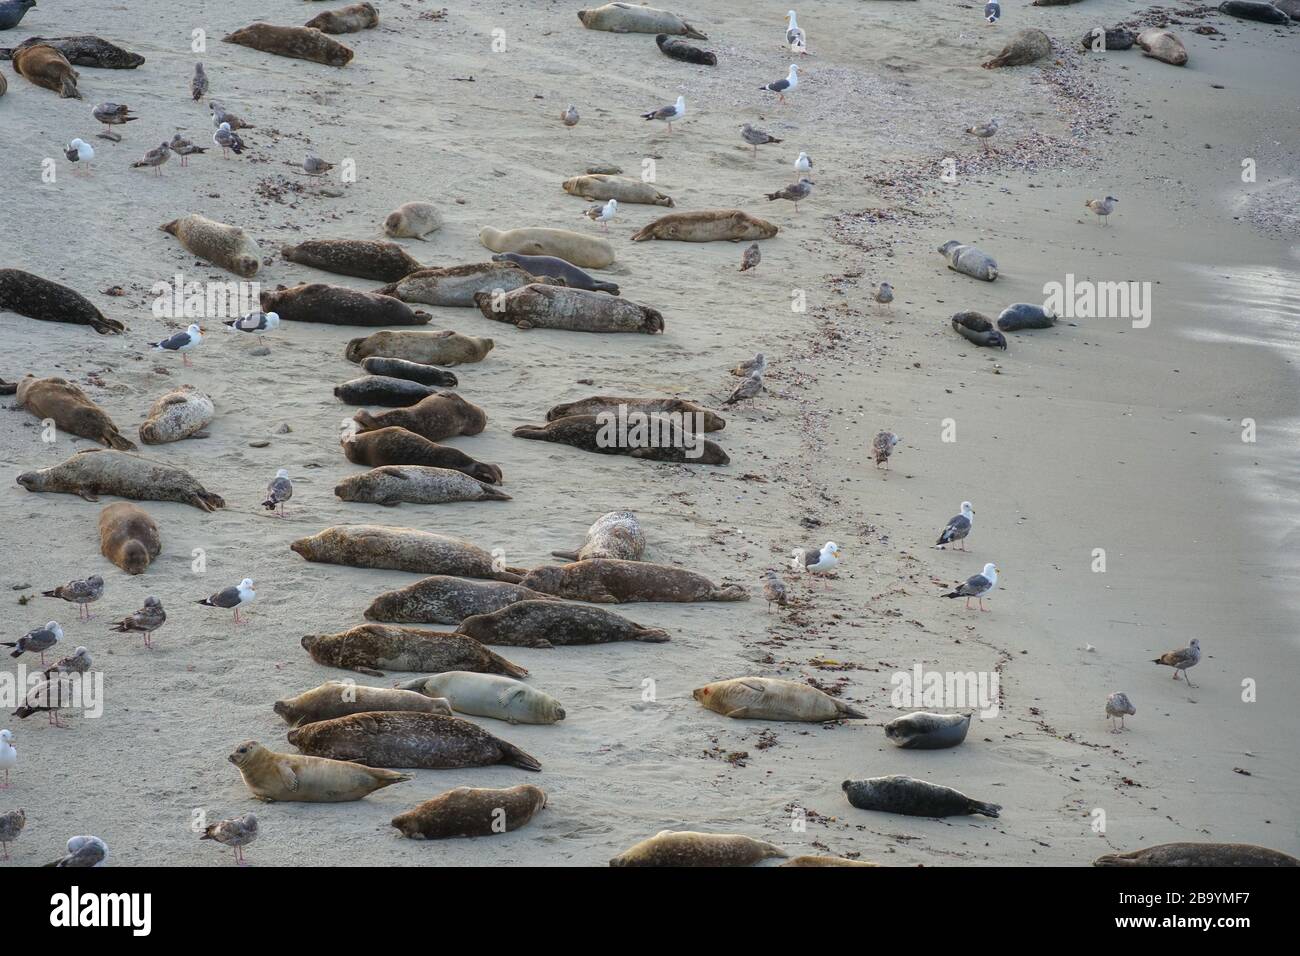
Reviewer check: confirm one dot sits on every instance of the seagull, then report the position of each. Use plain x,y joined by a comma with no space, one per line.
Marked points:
803,164
795,192
219,116
1182,659
76,663
757,137
183,148
751,386
39,639
11,824
314,165
782,87
257,322
278,492
199,84
49,696
144,621
1118,705
884,293
794,36
984,131
750,257
755,366
774,590
821,561
79,151
1102,207
236,834
8,758
81,593
181,342
958,527
155,158
992,11
232,598
112,114
84,851
570,116
977,586
883,446
668,114
227,139
602,214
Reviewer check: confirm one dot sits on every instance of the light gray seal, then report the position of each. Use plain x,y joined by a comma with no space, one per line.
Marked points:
400,740
391,485
969,261
490,695
615,534
914,798
924,731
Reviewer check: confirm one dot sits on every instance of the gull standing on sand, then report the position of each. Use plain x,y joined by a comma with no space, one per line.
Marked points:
144,621
750,387
227,139
570,116
750,257
8,759
232,598
795,192
774,590
183,148
757,137
77,662
1102,207
315,166
884,293
669,114
259,323
755,366
984,132
37,641
958,527
82,593
602,214
181,342
199,84
85,852
221,115
795,37
236,834
278,491
992,11
976,586
782,87
155,158
11,824
1118,705
50,696
112,114
1182,659
821,560
803,164
79,151
882,446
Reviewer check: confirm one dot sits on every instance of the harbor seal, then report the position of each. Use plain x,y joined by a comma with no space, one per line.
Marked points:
1022,315
11,14
490,695
924,731
914,798
350,19
558,271
400,740
621,188
180,413
547,624
630,18
825,861
338,305
341,698
655,438
70,409
447,599
439,416
1199,854
368,647
1025,47
770,698
538,306
456,286
707,225
399,446
45,66
102,471
1114,39
688,848
1163,46
1290,7
300,43
586,252
4,85
413,220
977,329
411,371
608,581
615,534
428,348
272,776
596,404
382,390
38,298
969,261
471,811
681,50
83,51
391,485
1254,10
402,549
363,258
226,246
128,537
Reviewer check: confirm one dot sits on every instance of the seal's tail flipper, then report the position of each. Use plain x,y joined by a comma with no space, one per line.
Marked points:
988,809
565,555
518,758
504,666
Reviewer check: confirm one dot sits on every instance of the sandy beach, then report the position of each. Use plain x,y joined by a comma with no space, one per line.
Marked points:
1094,439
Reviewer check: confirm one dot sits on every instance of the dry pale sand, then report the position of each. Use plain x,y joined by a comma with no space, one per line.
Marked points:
1091,435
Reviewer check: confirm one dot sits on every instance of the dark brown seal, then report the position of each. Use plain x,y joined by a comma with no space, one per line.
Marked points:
128,537
400,446
446,599
1026,46
338,305
681,50
38,298
548,624
84,51
363,258
471,811
596,404
914,798
301,43
368,647
45,66
606,581
436,417
104,471
398,739
71,410
601,434
688,848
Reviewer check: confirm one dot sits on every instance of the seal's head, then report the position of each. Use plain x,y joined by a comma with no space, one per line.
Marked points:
247,751
294,736
283,708
135,558
31,480
308,642
409,825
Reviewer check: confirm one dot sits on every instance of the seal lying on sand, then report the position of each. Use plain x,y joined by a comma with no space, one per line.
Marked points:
363,258
600,434
596,404
395,739
574,310
45,66
490,695
1199,854
707,225
585,252
548,624
923,731
339,305
338,698
1115,39
977,329
630,18
271,776
351,19
400,549
826,861
399,446
301,43
1023,315
447,599
367,647
913,798
969,261
226,246
439,416
128,537
769,698
428,348
411,371
457,285
1254,10
615,534
471,811
616,187
71,410
559,271
38,298
83,51
607,581
392,485
1163,46
687,848
383,390
681,50
1026,46
178,414
101,471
